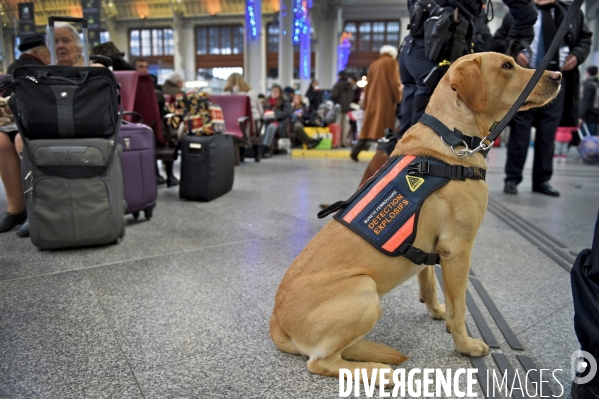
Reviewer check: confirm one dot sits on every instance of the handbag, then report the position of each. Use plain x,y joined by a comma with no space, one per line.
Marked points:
50,102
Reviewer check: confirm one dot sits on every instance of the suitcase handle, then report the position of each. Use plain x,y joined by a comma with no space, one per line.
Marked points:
83,22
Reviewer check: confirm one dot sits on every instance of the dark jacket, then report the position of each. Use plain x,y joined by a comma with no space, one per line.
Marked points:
315,98
589,91
282,112
24,59
578,39
343,94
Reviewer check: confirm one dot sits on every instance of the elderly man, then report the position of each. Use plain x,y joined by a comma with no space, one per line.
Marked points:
173,84
33,51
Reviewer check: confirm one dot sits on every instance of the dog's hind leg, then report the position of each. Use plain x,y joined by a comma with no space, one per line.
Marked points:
428,293
280,337
368,351
331,365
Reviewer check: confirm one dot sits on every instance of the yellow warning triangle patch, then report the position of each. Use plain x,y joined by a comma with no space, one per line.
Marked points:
414,182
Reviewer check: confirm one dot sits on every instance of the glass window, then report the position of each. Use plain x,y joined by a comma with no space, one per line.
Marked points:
219,40
273,38
364,36
378,38
146,43
237,40
214,42
201,46
225,40
169,42
134,43
104,36
156,42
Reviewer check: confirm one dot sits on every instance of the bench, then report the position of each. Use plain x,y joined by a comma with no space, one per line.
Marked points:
237,112
138,95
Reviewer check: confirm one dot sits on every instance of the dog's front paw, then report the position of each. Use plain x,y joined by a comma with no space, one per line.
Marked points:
437,313
474,347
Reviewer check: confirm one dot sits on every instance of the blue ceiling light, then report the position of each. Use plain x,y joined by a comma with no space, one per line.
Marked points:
252,17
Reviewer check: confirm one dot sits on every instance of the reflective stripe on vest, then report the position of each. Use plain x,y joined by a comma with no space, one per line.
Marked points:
385,210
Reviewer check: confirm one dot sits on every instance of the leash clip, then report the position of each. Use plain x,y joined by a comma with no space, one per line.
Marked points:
465,153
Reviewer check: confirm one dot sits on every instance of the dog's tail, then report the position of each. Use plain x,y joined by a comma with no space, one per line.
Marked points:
368,351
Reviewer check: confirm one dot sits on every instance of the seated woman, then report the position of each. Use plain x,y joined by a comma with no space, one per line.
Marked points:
237,85
298,117
276,115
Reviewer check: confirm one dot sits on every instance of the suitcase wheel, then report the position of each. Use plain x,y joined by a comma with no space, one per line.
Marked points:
148,212
135,215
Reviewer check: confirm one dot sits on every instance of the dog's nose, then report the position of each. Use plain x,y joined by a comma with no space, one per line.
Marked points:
555,76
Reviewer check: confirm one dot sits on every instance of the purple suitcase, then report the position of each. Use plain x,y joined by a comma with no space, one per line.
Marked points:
138,161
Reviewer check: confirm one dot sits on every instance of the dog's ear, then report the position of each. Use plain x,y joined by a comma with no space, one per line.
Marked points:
467,79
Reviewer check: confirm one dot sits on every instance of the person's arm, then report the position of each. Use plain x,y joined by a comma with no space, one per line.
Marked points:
284,112
500,37
524,16
582,48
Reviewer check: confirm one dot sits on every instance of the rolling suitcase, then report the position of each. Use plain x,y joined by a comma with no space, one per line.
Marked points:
588,148
74,192
139,168
69,120
207,166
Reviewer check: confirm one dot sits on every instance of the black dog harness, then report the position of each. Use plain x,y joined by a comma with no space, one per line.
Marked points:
384,211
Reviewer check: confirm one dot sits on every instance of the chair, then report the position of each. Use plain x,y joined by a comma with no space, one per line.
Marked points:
138,95
237,113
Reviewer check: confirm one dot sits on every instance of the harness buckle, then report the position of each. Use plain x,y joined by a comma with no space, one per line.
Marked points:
418,168
456,172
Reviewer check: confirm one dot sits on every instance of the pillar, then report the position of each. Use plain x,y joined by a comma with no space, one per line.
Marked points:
403,28
327,40
254,51
286,43
179,40
188,53
118,34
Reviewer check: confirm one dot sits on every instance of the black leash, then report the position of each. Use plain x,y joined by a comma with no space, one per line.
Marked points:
497,127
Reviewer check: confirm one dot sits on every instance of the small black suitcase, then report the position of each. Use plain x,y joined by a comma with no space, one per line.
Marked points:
207,166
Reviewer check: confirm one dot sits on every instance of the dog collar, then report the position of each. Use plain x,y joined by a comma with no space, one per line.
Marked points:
455,138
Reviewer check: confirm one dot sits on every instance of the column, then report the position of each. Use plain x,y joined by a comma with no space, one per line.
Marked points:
179,39
286,43
403,28
118,35
327,40
254,51
305,46
188,53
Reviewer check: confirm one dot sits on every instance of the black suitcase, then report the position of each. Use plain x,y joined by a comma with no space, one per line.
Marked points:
207,166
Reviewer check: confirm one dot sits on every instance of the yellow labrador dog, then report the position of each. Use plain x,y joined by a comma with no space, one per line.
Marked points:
330,297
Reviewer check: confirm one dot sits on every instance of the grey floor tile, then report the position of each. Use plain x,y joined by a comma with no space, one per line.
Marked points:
176,226
552,342
57,343
168,308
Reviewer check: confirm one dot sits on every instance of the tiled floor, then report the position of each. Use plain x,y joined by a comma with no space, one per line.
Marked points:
180,309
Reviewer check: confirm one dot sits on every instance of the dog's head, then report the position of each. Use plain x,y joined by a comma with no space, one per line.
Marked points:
489,84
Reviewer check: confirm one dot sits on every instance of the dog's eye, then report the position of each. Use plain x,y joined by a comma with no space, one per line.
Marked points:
507,65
